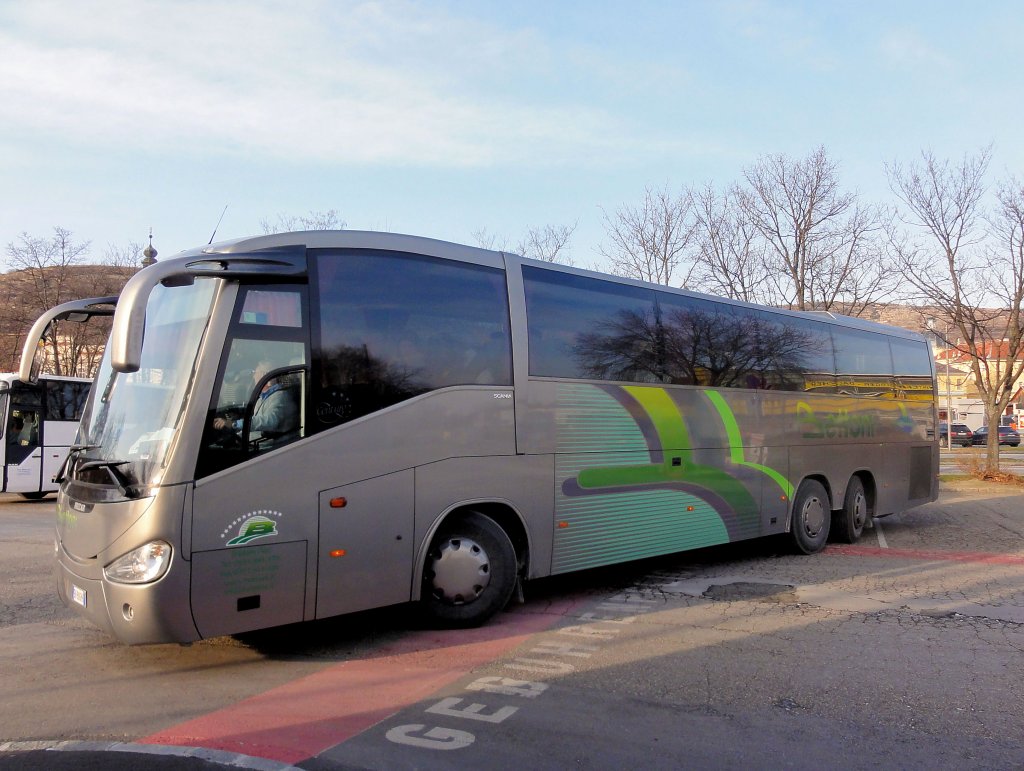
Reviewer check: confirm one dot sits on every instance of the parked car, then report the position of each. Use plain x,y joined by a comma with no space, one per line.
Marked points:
1006,436
962,435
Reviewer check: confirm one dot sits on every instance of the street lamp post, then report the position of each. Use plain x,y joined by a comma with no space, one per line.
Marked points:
944,336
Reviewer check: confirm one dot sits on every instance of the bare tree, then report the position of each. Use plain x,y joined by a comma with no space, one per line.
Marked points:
487,240
549,243
124,257
315,220
822,250
47,272
649,241
728,251
43,269
962,262
82,344
45,263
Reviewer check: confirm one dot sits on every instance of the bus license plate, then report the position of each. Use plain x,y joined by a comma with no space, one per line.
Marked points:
78,595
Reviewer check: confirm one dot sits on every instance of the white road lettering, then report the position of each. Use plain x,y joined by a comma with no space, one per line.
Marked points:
589,631
564,649
434,739
506,686
597,631
542,665
471,711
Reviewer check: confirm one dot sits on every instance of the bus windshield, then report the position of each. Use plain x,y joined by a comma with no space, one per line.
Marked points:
131,417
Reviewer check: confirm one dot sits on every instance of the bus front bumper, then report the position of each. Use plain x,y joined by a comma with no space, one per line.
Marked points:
157,612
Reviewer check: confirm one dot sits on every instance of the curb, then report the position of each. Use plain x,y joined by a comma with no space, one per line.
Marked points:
228,759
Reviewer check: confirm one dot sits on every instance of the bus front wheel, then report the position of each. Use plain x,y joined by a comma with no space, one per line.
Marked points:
850,520
470,572
812,516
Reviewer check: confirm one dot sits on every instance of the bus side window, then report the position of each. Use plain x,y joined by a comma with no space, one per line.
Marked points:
393,326
863,363
65,400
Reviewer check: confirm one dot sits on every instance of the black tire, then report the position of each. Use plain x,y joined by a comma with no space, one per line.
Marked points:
848,523
812,516
470,572
35,496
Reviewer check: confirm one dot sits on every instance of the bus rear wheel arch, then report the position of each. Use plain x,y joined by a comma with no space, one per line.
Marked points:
470,571
812,517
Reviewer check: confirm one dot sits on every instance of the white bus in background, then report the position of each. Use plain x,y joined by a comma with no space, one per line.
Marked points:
40,413
40,423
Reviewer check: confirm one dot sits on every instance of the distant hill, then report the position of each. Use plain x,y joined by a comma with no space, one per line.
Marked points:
25,294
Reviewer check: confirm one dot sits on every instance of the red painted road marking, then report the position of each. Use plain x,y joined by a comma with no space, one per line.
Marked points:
300,719
924,554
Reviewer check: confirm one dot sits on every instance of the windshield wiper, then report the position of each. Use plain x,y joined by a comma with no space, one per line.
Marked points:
73,450
120,479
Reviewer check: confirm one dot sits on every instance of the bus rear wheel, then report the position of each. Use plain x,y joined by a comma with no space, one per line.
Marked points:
850,520
470,572
812,516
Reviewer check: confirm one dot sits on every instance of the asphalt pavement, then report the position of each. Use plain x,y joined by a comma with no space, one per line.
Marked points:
890,653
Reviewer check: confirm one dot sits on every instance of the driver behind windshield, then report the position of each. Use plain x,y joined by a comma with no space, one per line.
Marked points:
276,413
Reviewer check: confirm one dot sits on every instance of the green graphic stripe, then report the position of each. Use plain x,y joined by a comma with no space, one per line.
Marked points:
603,529
732,430
665,415
674,437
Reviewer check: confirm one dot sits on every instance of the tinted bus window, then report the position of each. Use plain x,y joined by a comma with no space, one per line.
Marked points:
65,401
863,363
911,358
861,353
708,344
394,326
720,345
582,327
913,364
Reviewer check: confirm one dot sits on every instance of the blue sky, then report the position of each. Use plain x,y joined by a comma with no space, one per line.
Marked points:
443,118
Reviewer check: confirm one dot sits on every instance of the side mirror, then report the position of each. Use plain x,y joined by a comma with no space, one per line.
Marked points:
79,311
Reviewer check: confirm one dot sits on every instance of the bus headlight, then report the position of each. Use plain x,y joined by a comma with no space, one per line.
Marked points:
140,566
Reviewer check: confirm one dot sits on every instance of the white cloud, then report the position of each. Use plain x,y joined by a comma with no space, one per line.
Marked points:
335,82
907,48
777,30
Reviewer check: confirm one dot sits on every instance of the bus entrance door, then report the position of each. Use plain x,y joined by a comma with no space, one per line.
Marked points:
22,451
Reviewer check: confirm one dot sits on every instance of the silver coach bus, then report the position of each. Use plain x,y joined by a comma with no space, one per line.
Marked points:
450,422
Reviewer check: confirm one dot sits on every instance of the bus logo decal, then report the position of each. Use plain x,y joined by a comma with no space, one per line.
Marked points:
841,424
256,525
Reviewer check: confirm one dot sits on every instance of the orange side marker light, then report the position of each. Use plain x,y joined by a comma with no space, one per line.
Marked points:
338,553
338,503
